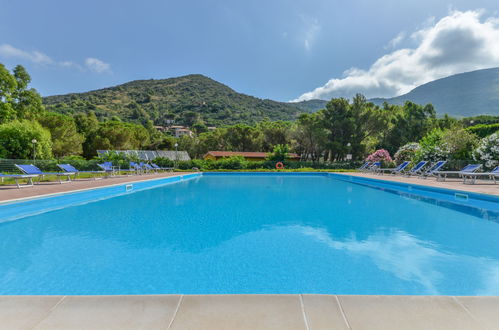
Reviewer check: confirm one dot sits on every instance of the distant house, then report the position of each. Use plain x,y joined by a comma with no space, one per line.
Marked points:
179,131
254,156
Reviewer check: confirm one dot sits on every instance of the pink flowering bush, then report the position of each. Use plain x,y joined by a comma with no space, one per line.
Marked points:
380,155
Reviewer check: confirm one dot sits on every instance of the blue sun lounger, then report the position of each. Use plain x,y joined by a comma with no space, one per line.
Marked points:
442,175
71,169
394,170
148,168
107,167
417,169
17,177
374,167
433,169
32,169
161,168
492,175
136,168
364,167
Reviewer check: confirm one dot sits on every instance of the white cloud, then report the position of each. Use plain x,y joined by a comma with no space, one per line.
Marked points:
37,57
91,64
459,42
96,65
312,29
396,41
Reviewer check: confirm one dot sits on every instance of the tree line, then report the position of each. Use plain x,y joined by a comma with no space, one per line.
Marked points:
342,128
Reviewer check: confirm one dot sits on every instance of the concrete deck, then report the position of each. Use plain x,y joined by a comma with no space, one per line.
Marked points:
9,192
252,312
481,186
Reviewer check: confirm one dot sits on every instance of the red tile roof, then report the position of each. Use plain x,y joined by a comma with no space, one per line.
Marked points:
247,154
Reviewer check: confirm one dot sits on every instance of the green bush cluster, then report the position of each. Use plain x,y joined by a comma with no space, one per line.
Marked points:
483,130
239,163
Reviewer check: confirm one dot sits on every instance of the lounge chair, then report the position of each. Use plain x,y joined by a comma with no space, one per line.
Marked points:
161,168
137,168
32,169
364,167
417,169
148,168
493,175
442,175
394,170
374,167
17,177
433,169
71,169
108,168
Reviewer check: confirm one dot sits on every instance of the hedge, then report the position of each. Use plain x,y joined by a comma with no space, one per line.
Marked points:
483,130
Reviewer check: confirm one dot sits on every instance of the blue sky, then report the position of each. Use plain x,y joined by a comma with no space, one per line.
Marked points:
278,49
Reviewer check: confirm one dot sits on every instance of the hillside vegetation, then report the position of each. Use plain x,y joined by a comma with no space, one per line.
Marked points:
186,99
461,95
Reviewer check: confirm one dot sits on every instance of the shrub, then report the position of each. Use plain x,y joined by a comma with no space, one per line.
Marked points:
380,155
487,151
407,152
483,130
279,154
459,143
432,148
16,137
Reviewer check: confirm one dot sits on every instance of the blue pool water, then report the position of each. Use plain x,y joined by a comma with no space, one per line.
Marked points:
228,233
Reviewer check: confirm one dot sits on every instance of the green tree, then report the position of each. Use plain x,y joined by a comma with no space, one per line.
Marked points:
242,137
116,135
408,123
309,136
66,140
87,125
8,85
279,154
339,124
16,140
274,133
16,100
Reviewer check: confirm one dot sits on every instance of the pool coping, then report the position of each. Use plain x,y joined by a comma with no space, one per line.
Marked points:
241,312
22,199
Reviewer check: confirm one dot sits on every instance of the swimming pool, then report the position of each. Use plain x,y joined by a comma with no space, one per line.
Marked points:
252,233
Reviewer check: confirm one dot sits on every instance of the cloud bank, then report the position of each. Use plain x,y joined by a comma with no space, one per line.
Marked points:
90,64
459,42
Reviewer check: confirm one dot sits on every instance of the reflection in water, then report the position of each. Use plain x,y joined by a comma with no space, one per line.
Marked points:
410,258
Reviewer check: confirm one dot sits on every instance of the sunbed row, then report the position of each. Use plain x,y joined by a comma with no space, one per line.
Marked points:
425,169
31,171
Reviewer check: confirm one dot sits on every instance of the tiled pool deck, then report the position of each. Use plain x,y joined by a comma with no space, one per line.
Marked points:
481,186
9,192
252,312
233,312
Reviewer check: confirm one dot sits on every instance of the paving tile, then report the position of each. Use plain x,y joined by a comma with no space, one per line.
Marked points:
405,312
112,312
323,312
240,312
481,186
485,310
24,312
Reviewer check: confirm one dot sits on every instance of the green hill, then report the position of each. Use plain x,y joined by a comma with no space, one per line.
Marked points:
461,95
185,99
310,105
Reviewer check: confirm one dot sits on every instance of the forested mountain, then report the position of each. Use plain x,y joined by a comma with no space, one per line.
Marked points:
188,99
311,105
461,95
